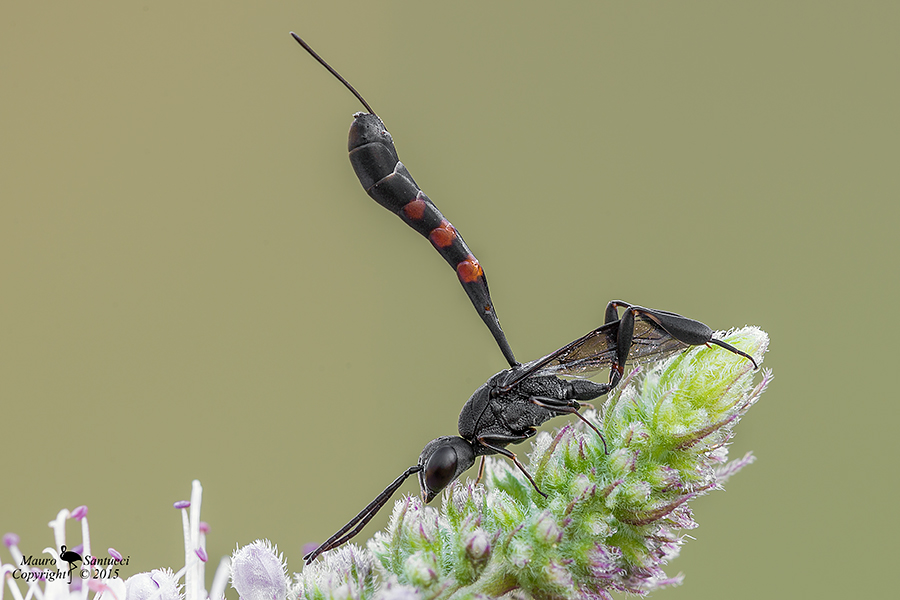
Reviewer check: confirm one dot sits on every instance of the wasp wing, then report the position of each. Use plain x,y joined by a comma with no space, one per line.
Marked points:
597,349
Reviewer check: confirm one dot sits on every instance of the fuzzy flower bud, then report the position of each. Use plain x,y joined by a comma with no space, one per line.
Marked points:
478,544
258,572
546,531
421,569
343,574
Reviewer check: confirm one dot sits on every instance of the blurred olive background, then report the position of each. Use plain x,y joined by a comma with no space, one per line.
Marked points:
194,285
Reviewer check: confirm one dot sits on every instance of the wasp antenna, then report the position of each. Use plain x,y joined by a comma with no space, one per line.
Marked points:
333,72
348,531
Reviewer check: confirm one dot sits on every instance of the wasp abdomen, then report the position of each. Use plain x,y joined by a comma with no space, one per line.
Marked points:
389,183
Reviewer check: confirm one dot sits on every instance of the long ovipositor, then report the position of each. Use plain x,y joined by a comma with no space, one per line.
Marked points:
389,183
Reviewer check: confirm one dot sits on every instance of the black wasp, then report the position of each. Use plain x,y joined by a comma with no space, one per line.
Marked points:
508,408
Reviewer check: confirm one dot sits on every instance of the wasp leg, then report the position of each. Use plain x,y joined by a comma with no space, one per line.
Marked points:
486,442
570,407
480,470
683,329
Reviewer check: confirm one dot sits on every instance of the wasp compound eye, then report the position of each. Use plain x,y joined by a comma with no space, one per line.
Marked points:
440,469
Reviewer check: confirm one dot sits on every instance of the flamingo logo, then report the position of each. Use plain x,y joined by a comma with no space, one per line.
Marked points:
70,557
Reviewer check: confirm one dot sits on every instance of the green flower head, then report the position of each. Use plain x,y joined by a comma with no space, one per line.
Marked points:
610,521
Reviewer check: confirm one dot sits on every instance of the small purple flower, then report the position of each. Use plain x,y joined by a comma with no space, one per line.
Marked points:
604,562
309,547
47,583
557,575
